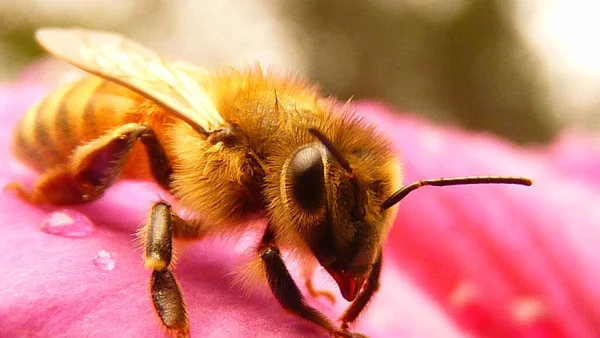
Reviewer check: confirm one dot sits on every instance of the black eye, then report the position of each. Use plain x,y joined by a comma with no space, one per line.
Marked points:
306,177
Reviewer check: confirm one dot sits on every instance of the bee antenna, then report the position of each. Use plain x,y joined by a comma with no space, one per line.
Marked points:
331,148
358,211
442,182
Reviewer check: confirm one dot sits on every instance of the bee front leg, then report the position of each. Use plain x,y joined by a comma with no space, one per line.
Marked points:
286,291
157,236
365,296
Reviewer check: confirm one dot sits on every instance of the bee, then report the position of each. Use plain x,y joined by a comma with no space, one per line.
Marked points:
230,146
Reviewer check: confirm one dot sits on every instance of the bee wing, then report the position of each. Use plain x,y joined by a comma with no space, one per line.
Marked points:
116,58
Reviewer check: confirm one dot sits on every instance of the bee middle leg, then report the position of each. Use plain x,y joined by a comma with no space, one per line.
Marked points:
157,236
94,167
287,292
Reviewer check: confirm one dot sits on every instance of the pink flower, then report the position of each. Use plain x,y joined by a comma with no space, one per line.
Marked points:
492,261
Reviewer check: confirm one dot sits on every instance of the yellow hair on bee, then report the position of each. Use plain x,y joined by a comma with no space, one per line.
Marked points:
250,276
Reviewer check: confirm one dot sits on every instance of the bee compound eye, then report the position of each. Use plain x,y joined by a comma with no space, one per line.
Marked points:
306,178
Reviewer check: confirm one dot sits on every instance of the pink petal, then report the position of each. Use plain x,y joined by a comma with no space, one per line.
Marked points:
503,261
578,156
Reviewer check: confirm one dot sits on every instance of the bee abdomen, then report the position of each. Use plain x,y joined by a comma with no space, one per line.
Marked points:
67,118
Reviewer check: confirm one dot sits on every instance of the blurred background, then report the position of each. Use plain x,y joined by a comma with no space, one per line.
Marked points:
522,69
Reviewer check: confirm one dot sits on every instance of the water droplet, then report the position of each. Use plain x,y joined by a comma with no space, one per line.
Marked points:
67,223
104,260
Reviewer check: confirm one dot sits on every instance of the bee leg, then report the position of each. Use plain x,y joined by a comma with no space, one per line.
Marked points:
165,291
307,273
365,295
94,167
286,291
315,293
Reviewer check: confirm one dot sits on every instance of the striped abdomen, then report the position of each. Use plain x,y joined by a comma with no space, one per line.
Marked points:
71,116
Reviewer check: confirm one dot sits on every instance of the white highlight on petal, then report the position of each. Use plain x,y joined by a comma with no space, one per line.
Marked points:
527,310
464,294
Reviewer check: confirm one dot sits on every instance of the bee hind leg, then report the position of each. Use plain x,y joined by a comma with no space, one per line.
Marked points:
94,167
157,238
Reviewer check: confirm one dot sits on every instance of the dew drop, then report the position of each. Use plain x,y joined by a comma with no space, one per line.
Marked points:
104,260
68,223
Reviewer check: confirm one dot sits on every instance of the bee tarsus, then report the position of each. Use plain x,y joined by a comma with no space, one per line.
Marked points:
168,302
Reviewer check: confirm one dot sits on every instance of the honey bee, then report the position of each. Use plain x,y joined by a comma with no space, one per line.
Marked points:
230,146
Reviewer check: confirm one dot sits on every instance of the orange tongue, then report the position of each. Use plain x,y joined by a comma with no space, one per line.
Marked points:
349,286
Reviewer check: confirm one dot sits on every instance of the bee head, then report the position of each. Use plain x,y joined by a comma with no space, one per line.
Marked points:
336,210
342,199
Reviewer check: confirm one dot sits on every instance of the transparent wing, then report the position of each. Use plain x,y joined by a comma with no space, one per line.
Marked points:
138,68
